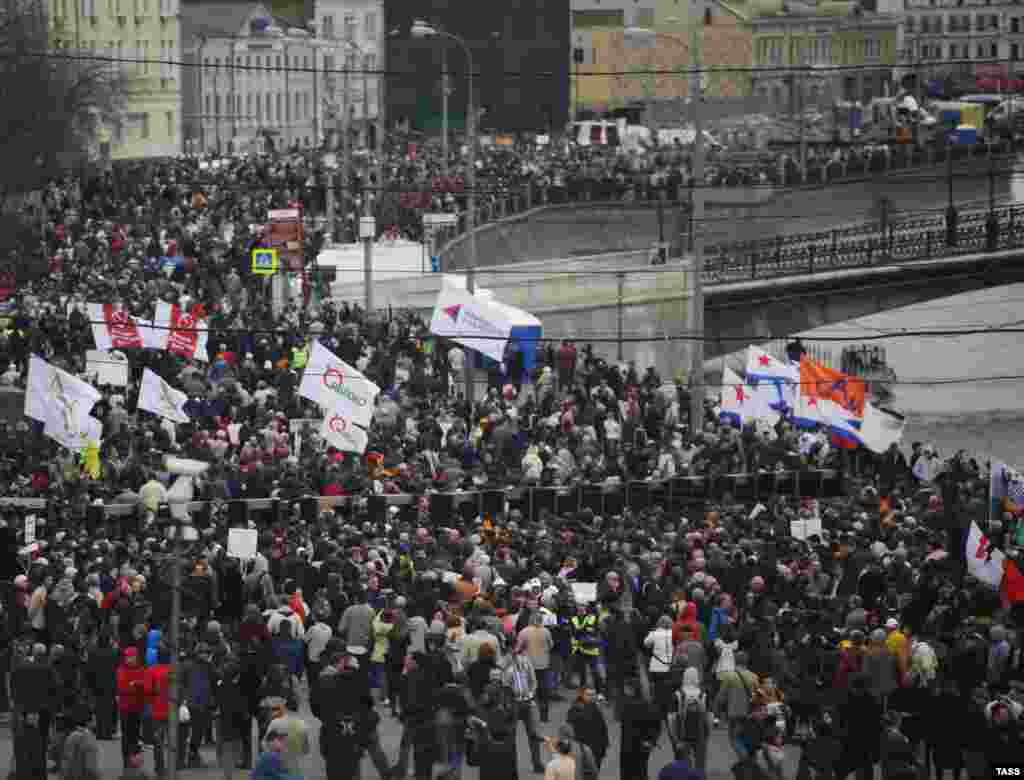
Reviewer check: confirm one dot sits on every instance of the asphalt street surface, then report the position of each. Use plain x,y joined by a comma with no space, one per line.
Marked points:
720,755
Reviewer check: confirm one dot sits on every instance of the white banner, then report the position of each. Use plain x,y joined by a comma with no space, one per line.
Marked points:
159,398
109,368
338,387
470,321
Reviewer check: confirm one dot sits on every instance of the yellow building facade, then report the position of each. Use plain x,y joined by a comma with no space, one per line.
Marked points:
142,38
836,51
617,71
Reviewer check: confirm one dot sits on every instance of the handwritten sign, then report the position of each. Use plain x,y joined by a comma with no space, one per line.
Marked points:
242,543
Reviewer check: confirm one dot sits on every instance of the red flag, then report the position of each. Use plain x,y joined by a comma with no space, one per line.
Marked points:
186,331
114,328
1012,588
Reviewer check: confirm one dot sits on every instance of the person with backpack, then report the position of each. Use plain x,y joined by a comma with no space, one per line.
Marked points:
734,701
690,722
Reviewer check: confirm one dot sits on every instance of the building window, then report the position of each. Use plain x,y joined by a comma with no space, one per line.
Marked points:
350,27
370,25
328,27
707,16
305,105
298,106
170,124
909,24
305,61
1014,51
643,17
277,108
208,109
259,108
277,62
248,105
144,126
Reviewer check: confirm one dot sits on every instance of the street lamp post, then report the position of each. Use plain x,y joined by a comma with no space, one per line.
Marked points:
694,280
421,29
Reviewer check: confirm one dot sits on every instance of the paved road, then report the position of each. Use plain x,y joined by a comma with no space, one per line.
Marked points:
720,756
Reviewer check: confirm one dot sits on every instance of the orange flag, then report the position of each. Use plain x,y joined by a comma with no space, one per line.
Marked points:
818,381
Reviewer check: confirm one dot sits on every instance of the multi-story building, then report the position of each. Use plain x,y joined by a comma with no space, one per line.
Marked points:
520,56
351,44
251,81
142,40
815,54
963,39
604,54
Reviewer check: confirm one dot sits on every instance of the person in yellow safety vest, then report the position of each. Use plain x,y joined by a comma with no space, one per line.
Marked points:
300,356
586,648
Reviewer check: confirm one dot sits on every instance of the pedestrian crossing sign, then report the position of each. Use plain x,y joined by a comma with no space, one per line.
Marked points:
264,261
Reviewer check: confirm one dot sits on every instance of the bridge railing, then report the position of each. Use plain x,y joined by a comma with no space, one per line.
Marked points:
498,206
919,237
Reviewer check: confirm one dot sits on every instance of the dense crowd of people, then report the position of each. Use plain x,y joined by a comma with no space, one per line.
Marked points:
863,644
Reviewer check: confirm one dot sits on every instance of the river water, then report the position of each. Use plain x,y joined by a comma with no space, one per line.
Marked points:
970,408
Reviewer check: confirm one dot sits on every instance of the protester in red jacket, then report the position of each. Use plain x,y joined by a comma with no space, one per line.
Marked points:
158,691
132,697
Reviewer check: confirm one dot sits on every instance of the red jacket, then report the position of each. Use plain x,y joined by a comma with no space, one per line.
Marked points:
131,697
158,689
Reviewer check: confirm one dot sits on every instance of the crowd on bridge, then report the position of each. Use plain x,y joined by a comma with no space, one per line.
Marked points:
862,643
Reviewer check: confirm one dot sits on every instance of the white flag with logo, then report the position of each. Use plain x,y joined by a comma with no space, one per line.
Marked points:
159,398
52,390
984,562
342,434
338,387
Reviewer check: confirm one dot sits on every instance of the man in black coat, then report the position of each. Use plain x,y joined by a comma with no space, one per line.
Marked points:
861,718
348,719
641,727
34,690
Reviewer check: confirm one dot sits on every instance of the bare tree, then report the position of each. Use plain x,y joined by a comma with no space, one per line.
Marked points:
56,98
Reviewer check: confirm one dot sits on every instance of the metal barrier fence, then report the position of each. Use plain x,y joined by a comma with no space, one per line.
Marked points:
914,238
676,494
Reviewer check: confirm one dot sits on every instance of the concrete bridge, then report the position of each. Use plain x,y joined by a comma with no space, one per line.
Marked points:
528,226
755,291
749,297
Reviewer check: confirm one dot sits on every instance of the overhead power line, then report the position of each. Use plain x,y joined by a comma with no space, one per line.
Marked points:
507,74
681,336
916,382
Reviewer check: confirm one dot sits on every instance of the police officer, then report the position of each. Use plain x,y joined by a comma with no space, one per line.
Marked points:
586,648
